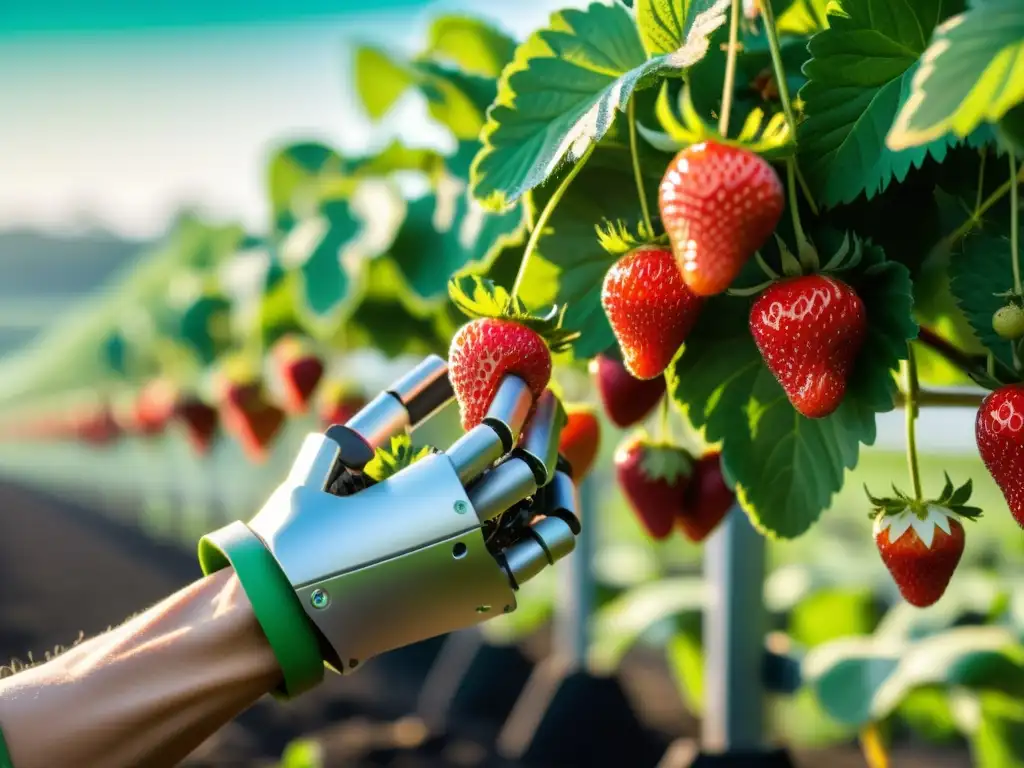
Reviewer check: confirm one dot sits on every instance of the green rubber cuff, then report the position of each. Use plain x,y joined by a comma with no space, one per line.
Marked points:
5,755
291,634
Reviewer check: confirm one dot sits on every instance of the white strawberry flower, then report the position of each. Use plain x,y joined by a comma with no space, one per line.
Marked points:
899,523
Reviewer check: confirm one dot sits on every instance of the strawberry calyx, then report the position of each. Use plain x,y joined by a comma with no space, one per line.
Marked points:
617,240
684,126
661,460
477,297
900,513
847,256
401,453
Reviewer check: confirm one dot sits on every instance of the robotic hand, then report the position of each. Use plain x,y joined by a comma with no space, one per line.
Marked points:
339,568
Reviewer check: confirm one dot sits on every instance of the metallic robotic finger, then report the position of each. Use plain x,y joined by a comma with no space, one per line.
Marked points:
443,544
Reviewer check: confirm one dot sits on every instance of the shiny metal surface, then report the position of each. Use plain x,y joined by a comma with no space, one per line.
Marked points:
424,389
562,496
556,537
509,409
313,465
539,447
380,419
475,451
508,483
411,597
314,535
524,560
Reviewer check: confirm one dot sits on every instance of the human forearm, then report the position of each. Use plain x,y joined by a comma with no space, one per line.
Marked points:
146,693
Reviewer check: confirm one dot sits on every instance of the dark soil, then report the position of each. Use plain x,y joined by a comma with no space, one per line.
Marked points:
66,568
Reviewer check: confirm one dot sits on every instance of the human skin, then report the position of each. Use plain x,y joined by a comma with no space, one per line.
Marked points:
146,693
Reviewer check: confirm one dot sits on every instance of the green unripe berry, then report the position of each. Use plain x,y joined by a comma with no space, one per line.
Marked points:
1008,322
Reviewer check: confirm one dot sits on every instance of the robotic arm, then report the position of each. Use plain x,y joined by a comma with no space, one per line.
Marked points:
443,544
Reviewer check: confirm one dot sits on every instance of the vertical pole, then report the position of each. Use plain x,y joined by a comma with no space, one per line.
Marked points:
734,630
576,588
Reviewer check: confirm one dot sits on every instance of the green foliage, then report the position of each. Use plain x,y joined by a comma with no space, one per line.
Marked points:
864,680
858,78
979,274
972,72
469,45
831,614
787,467
401,453
562,90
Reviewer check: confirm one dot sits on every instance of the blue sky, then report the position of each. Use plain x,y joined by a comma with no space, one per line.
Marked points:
122,112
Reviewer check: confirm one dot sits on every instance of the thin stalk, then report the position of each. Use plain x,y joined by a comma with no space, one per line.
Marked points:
730,69
944,399
780,71
664,427
989,201
911,394
542,220
637,175
1014,229
807,254
873,748
981,178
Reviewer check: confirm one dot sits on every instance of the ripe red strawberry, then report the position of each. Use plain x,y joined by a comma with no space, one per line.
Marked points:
96,426
810,330
718,204
626,399
650,309
999,431
707,499
300,371
200,422
154,408
503,339
250,417
654,479
339,403
921,541
580,440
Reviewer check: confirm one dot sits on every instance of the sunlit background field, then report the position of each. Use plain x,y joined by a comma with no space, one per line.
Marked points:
118,118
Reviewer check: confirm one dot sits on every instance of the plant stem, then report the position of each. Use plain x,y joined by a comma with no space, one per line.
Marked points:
871,745
808,258
989,201
542,220
664,430
981,178
949,351
910,395
967,398
730,69
637,174
780,71
1014,229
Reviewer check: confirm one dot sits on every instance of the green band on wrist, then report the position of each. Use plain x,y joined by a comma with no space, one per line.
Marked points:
277,607
5,756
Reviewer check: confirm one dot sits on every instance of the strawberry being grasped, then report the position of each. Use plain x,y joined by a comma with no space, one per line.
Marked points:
921,542
708,498
810,330
999,431
299,370
250,417
650,309
627,400
719,204
654,478
503,339
580,440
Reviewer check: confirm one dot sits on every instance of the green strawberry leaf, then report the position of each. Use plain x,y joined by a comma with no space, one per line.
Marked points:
445,232
390,318
562,90
980,272
858,78
469,45
456,99
616,239
971,73
787,468
401,453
